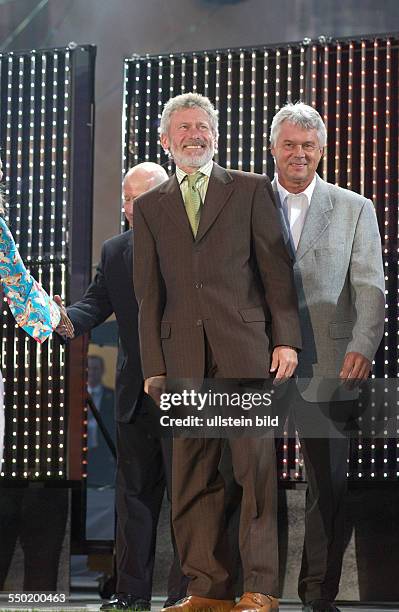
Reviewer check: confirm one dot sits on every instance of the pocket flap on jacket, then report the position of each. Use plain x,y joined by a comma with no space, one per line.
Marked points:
165,329
341,330
251,315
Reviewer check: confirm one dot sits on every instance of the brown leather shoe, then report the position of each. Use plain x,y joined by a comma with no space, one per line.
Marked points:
256,602
193,603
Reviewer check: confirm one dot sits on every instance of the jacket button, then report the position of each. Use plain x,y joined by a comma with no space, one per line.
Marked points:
199,323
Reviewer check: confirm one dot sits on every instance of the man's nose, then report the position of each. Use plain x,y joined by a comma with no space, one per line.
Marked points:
299,150
194,132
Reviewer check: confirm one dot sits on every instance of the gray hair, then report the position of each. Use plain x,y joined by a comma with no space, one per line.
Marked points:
303,116
189,100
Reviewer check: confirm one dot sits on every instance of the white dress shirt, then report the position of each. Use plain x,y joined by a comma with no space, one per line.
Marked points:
296,205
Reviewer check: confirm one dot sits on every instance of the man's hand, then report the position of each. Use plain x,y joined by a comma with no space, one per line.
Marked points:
155,386
65,326
284,363
356,368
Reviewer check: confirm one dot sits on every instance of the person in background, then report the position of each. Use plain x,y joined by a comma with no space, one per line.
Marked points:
101,464
143,461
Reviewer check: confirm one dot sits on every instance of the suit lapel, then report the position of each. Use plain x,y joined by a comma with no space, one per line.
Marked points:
317,219
172,202
128,251
219,190
284,221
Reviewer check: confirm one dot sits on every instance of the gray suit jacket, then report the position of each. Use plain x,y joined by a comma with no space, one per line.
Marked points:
340,284
234,282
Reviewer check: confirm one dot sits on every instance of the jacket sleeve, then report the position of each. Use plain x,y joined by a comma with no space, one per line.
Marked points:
150,293
29,303
276,268
95,306
367,284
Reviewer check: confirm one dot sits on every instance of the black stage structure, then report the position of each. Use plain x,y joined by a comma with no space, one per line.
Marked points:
46,141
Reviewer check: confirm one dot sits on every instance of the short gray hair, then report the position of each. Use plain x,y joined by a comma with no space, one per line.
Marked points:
303,116
189,100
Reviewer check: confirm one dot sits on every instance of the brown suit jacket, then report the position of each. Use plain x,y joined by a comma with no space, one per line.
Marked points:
234,281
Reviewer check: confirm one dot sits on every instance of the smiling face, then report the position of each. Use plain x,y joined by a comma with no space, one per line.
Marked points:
190,139
297,153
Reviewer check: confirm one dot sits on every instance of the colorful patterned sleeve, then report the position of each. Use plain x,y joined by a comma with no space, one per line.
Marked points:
31,306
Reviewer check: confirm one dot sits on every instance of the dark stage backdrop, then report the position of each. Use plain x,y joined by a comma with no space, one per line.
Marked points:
354,85
46,136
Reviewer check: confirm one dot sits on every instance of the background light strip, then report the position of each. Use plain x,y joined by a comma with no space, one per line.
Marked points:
302,74
229,108
338,118
313,77
159,108
362,118
217,101
350,116
289,75
265,107
278,102
325,113
206,75
195,72
241,111
183,74
253,113
148,113
375,119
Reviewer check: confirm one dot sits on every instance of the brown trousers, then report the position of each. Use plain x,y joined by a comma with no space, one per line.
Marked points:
198,502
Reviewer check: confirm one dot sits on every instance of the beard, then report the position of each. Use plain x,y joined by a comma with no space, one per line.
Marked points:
193,161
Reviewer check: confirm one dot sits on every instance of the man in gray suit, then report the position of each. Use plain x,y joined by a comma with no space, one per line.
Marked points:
211,275
333,235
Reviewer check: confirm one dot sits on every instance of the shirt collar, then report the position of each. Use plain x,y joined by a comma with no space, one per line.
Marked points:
283,193
205,169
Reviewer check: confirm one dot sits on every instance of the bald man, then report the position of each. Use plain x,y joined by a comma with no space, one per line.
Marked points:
143,462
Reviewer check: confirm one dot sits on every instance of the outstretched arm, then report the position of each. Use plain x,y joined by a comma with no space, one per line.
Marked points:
31,306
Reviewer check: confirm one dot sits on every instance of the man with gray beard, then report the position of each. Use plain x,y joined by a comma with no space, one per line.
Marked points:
211,274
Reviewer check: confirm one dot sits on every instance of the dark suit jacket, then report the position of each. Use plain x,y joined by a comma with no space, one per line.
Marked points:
233,281
112,291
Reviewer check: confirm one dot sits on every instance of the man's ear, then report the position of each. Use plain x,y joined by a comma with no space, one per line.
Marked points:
164,140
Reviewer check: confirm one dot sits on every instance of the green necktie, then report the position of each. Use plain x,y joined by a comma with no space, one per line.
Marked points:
192,201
